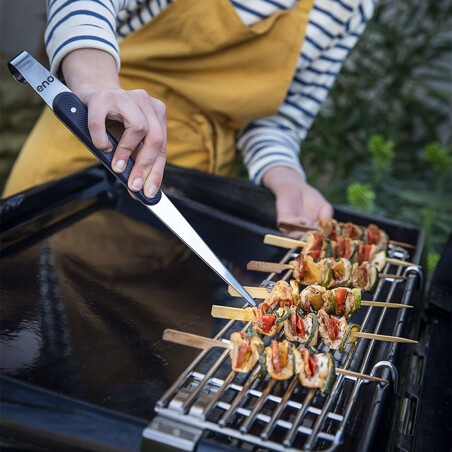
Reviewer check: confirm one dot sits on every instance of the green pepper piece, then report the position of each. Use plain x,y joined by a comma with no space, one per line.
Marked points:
332,299
328,275
329,248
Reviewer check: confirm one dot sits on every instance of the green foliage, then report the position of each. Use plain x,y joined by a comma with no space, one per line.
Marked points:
432,262
361,197
385,127
439,157
383,153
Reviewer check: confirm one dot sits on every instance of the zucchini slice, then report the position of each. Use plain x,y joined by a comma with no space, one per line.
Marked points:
373,278
357,306
331,376
315,326
348,338
354,252
294,364
284,317
262,363
329,248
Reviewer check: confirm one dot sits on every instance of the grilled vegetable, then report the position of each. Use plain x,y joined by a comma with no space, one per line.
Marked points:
348,337
341,272
312,297
266,323
316,370
327,272
306,329
357,301
278,360
262,361
284,316
371,235
244,351
330,273
331,329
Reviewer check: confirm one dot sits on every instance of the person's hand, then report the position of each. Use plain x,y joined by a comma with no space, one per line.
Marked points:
297,202
91,74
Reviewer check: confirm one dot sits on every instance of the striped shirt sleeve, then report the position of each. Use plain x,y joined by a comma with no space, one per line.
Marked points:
333,29
77,24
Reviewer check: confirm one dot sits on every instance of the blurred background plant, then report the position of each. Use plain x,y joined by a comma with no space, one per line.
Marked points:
382,141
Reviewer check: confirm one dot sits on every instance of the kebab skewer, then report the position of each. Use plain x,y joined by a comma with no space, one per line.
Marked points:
308,330
338,301
331,228
327,272
280,360
317,246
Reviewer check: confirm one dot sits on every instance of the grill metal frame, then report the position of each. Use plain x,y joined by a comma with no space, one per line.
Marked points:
184,410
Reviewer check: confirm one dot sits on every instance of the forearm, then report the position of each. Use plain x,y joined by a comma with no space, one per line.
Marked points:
88,70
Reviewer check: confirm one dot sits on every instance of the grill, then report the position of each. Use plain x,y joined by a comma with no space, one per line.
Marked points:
283,416
48,294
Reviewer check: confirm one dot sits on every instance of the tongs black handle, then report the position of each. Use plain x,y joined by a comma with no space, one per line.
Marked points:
73,113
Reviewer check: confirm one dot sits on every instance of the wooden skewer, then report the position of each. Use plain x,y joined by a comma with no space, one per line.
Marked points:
268,267
350,373
193,340
402,244
285,242
382,337
273,267
245,315
263,293
390,260
225,312
297,227
255,292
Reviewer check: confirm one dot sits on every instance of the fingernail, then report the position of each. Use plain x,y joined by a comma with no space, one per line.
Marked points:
137,183
152,191
109,149
120,165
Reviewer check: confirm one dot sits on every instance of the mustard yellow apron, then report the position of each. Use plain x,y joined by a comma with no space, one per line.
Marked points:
214,73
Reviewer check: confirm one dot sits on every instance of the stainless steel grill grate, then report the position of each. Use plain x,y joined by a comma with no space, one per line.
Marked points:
280,415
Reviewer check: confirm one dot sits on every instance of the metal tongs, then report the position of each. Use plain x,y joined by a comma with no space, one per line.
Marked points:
71,111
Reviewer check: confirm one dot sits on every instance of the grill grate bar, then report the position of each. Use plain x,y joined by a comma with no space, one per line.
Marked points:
269,427
290,436
239,398
188,402
220,392
259,403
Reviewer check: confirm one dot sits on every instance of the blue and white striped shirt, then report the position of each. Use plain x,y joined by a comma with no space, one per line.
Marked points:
333,29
